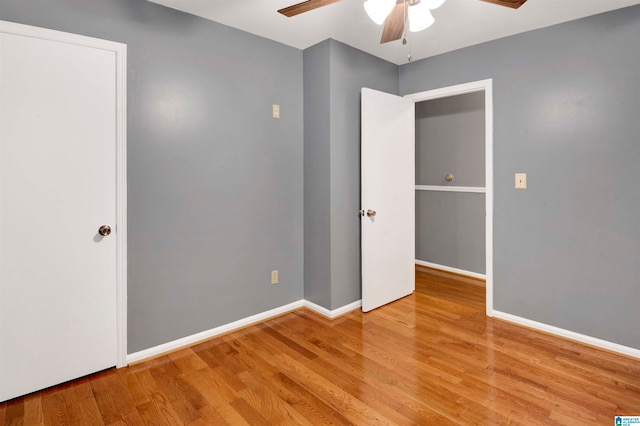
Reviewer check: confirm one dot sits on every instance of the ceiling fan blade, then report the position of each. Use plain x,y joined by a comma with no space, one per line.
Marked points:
305,6
514,4
394,24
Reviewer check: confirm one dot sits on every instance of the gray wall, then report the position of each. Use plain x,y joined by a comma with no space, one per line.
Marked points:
215,184
317,179
566,102
450,138
450,229
349,70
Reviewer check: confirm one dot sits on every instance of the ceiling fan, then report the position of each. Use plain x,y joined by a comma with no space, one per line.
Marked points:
395,19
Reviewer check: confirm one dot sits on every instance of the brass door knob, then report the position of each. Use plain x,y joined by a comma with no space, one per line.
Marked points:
104,230
449,177
371,213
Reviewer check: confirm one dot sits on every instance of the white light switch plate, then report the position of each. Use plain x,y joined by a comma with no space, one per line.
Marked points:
276,110
521,181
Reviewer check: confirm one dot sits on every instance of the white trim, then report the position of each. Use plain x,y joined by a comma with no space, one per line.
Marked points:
488,155
236,325
451,269
208,334
460,89
60,36
333,313
571,335
445,92
475,189
120,51
121,203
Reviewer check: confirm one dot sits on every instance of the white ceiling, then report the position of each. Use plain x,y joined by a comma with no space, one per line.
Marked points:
459,23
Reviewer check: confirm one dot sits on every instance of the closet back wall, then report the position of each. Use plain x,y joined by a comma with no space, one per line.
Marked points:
450,226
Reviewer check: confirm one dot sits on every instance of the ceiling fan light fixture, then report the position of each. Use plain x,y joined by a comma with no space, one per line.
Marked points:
420,17
378,10
433,4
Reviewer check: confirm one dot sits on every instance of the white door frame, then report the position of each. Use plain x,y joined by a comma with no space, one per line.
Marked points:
120,51
485,86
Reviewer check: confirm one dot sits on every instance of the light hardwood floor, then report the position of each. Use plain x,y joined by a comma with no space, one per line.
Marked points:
432,358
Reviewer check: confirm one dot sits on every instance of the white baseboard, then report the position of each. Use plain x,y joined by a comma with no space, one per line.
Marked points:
204,335
450,269
334,313
253,319
571,335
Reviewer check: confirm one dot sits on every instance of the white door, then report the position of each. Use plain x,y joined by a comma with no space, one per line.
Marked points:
387,198
57,188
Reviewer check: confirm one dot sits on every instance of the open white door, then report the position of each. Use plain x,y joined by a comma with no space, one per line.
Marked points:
387,198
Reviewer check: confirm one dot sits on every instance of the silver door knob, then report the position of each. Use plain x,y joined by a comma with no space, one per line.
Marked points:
104,230
371,213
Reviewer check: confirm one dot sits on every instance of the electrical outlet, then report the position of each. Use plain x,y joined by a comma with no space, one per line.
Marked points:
275,109
274,277
521,181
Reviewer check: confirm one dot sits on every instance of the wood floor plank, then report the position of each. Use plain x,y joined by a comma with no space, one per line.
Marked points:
72,414
163,366
33,414
430,358
171,391
229,415
210,416
189,392
287,341
135,388
120,394
90,412
104,400
268,404
187,361
53,408
151,414
13,412
248,413
164,412
209,389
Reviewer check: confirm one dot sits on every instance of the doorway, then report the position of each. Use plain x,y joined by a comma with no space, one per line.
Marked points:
485,87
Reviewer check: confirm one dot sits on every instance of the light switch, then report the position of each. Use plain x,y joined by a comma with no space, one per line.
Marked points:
276,111
521,181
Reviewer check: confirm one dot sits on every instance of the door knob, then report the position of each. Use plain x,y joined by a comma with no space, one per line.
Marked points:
449,177
371,213
104,230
